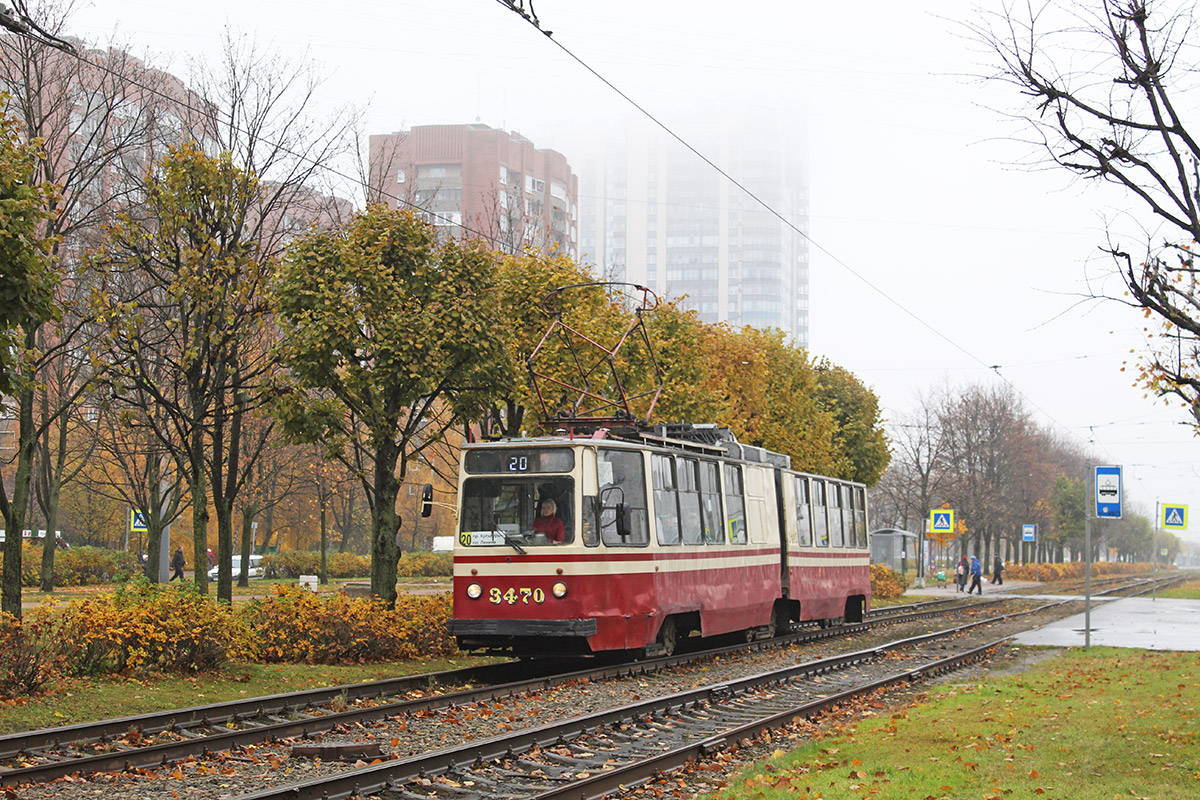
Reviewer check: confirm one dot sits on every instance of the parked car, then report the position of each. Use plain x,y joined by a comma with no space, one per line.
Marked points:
256,568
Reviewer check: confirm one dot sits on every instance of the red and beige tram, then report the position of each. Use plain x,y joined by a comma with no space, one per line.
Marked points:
573,545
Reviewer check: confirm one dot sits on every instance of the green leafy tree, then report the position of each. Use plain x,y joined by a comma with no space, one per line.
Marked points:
861,442
184,301
1132,536
769,390
682,344
523,282
391,338
27,302
1068,499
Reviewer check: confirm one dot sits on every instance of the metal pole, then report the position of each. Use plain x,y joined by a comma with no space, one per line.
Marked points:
164,544
1154,586
920,560
1087,563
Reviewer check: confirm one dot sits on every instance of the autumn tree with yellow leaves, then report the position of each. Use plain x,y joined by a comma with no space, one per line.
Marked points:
391,338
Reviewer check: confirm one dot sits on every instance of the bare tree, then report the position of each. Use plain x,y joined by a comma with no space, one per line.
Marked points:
914,481
275,476
208,322
133,466
90,111
1109,87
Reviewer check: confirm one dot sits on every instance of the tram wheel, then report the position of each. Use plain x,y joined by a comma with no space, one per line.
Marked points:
668,636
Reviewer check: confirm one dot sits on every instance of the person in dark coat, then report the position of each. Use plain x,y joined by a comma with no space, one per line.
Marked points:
998,571
177,562
960,574
976,575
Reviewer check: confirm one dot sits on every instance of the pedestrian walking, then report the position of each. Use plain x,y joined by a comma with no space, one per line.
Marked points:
976,575
960,575
177,562
998,571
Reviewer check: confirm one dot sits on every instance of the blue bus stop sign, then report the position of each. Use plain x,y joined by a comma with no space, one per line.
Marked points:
1108,492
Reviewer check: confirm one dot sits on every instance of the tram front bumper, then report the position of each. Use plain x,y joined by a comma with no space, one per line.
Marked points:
574,628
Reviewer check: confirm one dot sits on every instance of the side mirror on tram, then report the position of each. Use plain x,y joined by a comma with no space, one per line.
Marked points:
427,500
612,499
623,527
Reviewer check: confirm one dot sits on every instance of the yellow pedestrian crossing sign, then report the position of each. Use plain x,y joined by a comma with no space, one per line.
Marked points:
1174,518
941,520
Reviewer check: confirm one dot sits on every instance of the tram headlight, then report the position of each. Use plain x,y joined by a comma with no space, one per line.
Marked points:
474,591
560,590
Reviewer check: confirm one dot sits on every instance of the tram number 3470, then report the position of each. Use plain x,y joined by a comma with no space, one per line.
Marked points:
513,596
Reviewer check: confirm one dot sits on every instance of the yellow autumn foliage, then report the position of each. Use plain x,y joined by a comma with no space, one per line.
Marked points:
147,628
1072,570
296,625
886,583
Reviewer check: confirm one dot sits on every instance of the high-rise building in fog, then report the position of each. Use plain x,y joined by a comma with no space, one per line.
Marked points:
653,213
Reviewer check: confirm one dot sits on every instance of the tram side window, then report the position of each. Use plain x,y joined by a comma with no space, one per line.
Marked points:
850,517
687,470
836,518
666,507
710,502
803,517
624,518
860,516
735,504
820,529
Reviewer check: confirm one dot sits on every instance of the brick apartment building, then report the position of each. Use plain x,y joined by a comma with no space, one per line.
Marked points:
477,181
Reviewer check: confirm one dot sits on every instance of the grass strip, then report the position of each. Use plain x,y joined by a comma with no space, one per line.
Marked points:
1189,590
76,700
1088,725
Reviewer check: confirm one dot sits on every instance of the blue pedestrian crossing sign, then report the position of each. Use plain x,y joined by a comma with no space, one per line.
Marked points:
1108,492
941,520
1174,518
137,521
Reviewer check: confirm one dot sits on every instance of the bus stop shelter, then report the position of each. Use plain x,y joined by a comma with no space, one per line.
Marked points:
896,549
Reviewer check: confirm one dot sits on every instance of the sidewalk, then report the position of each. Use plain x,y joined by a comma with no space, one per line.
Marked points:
932,588
1137,622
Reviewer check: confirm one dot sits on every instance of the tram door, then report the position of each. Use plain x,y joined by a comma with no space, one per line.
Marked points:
781,509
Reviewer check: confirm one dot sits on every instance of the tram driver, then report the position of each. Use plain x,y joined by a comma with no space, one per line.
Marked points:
548,523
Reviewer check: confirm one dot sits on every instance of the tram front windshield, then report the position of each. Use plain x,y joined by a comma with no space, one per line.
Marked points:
534,510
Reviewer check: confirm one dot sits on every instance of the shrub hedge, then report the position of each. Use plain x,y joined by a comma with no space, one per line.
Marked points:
294,563
886,583
426,565
299,626
146,628
29,655
77,566
90,566
1072,570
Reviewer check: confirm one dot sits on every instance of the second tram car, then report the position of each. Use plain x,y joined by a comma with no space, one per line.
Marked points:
571,545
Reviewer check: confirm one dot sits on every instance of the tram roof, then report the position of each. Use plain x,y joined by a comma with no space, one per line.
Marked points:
721,444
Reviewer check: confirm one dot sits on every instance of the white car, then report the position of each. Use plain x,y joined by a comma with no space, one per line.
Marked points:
256,568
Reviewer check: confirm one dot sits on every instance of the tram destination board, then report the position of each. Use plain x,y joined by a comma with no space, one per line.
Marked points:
524,460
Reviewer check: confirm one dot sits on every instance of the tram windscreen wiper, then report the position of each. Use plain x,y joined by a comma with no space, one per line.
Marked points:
512,542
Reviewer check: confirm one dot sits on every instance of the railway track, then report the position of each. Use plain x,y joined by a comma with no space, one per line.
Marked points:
592,755
153,740
1102,587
